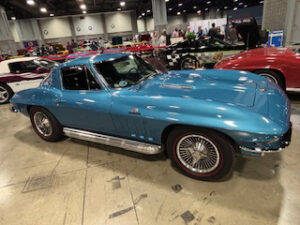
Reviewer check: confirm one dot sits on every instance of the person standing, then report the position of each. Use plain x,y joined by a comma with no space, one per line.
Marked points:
69,48
155,43
213,32
190,35
175,33
233,34
101,44
74,46
200,34
163,38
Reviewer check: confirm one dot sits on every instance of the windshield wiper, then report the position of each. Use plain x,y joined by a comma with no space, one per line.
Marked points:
146,77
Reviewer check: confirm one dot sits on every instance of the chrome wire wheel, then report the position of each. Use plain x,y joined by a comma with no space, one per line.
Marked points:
4,95
42,124
269,77
198,154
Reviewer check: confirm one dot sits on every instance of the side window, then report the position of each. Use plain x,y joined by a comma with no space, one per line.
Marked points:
22,67
16,67
78,78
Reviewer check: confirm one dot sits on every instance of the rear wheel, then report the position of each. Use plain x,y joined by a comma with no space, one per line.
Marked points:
200,154
5,93
45,124
272,76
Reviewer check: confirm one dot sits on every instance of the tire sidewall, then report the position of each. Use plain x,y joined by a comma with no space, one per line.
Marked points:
10,92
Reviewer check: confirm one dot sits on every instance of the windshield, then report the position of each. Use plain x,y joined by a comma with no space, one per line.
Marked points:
45,63
126,71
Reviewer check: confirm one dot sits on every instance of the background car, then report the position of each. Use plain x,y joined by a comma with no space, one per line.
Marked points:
22,73
209,51
280,65
201,118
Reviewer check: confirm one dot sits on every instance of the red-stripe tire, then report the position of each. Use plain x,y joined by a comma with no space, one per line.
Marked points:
201,154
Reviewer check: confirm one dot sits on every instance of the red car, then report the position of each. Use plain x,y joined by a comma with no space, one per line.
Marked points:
281,65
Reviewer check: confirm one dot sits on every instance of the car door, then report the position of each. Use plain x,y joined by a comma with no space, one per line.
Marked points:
25,76
83,103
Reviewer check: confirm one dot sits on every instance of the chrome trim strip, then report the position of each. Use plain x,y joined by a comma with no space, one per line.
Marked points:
293,89
126,144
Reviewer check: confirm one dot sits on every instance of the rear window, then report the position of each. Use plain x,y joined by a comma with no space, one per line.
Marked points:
79,78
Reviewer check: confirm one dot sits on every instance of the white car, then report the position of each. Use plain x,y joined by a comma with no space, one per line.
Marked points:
22,73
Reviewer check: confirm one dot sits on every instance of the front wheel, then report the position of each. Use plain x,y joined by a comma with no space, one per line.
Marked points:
200,154
45,124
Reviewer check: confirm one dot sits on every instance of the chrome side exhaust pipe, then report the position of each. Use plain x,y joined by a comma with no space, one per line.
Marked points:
135,146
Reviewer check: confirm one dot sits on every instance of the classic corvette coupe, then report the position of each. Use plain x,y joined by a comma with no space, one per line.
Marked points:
201,118
22,73
280,65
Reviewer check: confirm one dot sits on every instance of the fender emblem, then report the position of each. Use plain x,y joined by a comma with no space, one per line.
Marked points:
135,111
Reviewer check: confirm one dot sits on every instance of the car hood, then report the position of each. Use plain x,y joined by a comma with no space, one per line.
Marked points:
258,53
230,86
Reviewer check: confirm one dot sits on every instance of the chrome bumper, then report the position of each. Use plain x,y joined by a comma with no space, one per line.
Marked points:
284,142
258,151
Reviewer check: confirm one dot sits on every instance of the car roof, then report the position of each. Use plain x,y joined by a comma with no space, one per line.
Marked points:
21,59
93,59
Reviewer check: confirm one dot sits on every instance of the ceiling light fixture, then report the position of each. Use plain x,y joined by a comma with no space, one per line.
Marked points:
178,13
84,11
148,11
13,18
167,0
30,2
43,10
180,4
51,14
83,6
122,3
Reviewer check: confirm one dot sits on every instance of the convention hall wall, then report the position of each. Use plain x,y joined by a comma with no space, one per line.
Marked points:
93,26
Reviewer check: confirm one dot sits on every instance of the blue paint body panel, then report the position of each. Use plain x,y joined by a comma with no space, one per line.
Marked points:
246,107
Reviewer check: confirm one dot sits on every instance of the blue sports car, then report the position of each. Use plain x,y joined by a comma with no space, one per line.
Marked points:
202,118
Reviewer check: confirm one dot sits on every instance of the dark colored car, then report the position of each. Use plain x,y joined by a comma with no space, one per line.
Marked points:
209,51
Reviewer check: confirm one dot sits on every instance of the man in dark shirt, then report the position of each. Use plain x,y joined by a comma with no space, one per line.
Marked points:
213,32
